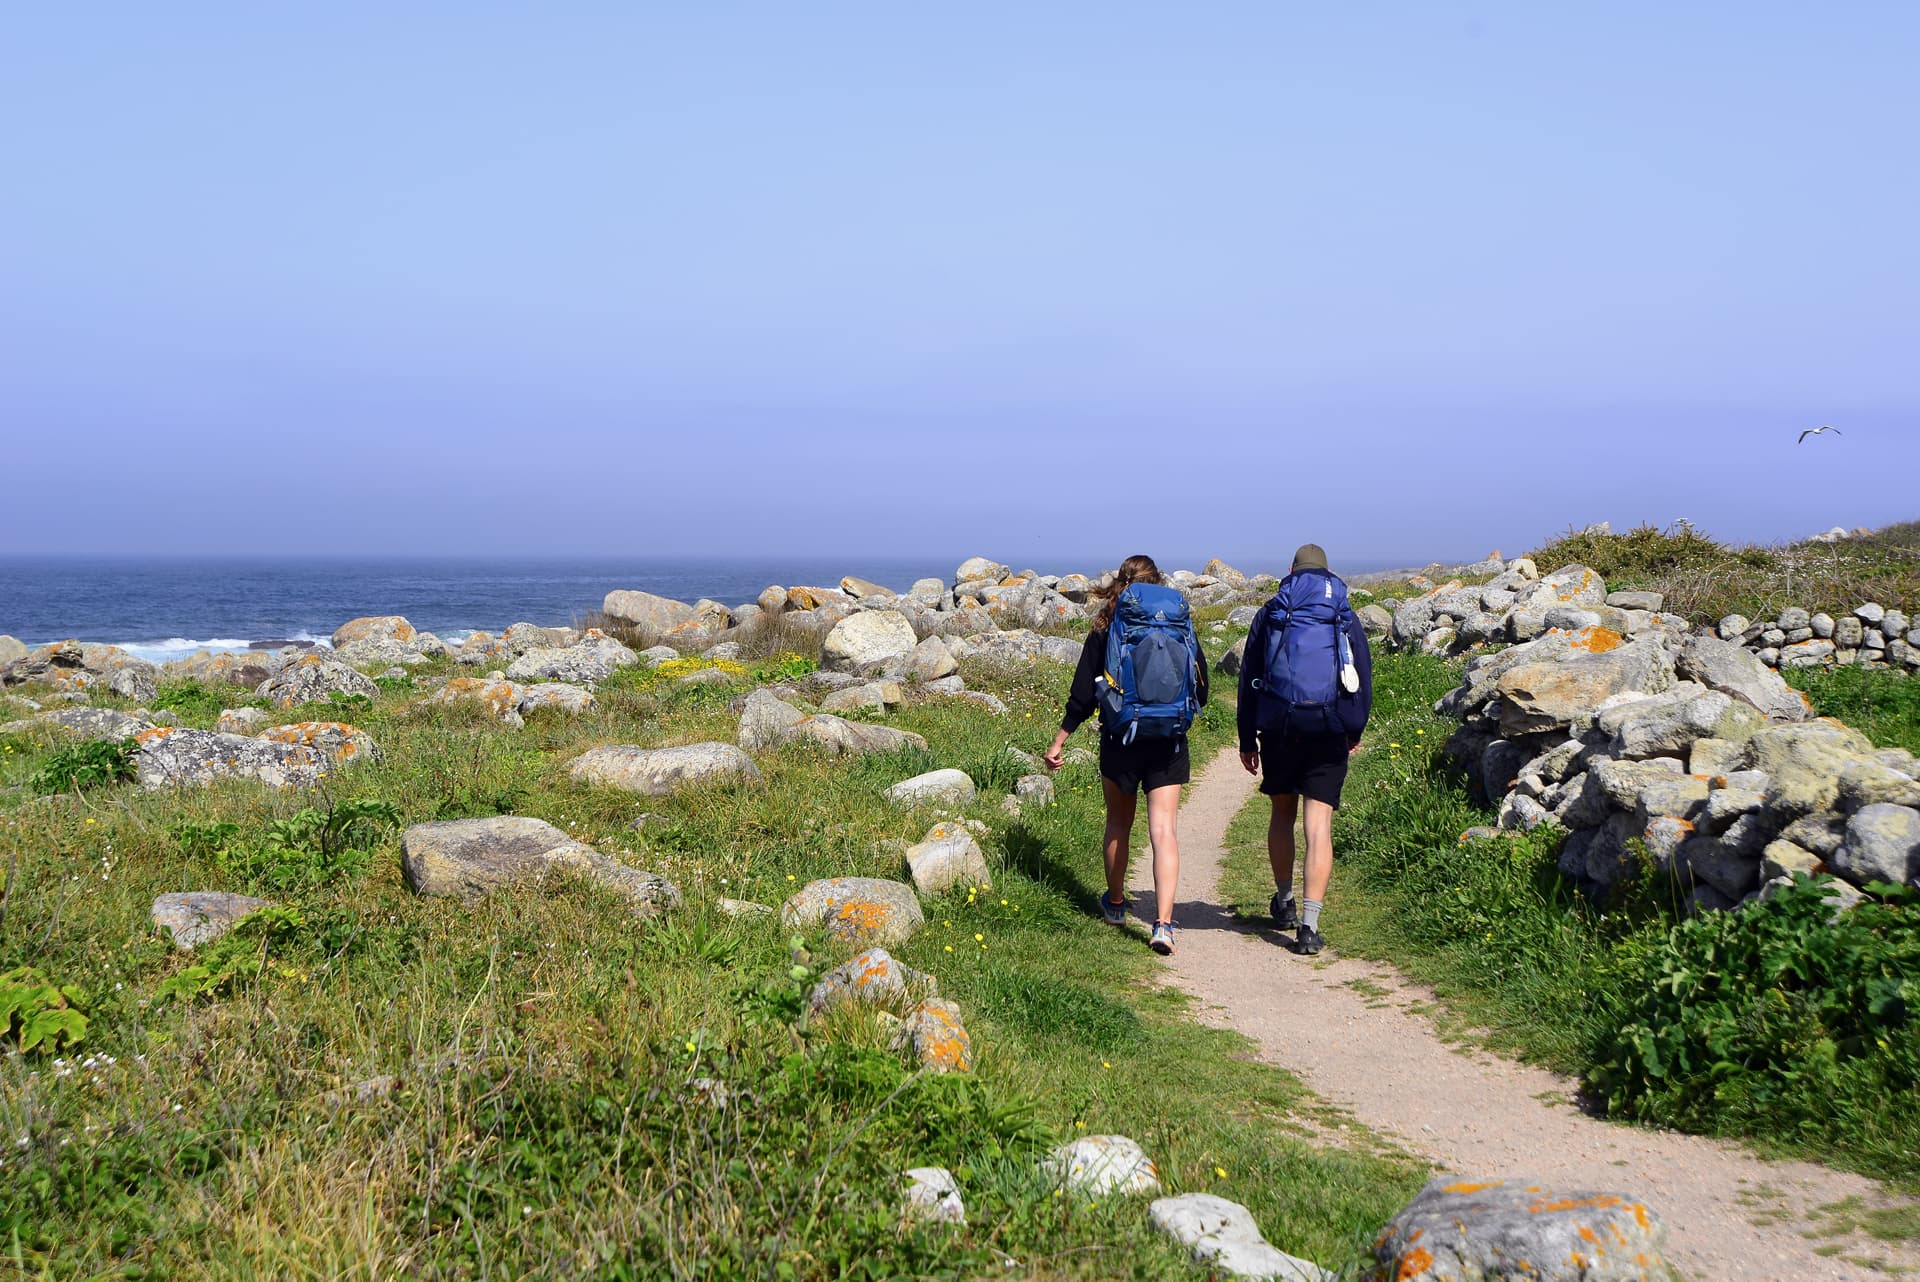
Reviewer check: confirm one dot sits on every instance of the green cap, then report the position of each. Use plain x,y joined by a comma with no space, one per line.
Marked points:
1310,557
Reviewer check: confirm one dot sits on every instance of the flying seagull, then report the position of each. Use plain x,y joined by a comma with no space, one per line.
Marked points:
1815,431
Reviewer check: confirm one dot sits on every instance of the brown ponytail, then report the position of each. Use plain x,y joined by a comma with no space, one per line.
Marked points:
1135,569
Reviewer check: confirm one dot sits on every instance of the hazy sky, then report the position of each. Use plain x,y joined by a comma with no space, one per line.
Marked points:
1412,279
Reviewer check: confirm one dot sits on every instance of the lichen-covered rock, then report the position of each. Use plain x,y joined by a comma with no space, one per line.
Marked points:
868,642
878,695
522,637
75,666
1569,674
198,917
169,758
373,627
241,720
88,723
935,788
1668,724
936,1037
1882,844
976,568
1101,1166
934,1197
228,667
1477,1231
931,660
1033,790
946,857
656,772
768,721
336,740
1733,669
595,657
468,858
385,652
871,976
501,698
1222,1235
857,910
1804,763
656,614
558,696
311,678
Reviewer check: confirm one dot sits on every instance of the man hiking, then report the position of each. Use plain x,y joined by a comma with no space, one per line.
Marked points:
1306,689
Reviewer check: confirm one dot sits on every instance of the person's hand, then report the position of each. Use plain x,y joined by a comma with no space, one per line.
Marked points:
1052,754
1250,761
1353,747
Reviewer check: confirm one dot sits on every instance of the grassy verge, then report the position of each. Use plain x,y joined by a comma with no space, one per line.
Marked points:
367,1083
1767,1024
1885,706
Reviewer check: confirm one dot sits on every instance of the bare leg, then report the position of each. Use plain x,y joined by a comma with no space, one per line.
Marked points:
1280,839
1319,848
1163,821
1120,810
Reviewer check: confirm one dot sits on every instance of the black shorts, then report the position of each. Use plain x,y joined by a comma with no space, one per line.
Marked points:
1145,763
1312,766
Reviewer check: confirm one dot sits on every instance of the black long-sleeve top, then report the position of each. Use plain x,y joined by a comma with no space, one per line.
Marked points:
1081,700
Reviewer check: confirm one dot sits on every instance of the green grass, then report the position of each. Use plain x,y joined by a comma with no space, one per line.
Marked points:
1748,1024
529,1062
1883,705
1705,579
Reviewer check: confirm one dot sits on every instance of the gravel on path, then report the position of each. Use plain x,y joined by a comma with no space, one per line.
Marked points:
1731,1214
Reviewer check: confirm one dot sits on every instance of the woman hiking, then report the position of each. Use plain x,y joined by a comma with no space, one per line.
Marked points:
1143,670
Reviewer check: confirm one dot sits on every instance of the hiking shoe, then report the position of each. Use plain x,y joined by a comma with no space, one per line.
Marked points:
1308,941
1161,940
1116,914
1286,912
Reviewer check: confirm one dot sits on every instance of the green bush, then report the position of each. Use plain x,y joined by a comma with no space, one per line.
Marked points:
1778,1022
310,848
36,1013
94,763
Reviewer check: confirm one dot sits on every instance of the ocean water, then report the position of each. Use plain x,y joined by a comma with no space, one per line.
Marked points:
162,609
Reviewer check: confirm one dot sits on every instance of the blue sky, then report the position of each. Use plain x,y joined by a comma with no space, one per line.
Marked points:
1409,279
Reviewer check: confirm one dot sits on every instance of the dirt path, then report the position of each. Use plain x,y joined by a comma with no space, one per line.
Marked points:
1345,1028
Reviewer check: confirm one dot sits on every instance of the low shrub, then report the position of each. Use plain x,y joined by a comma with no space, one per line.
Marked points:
1705,579
94,763
1778,1021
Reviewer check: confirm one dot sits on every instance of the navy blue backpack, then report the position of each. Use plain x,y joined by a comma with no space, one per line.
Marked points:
1153,662
1307,651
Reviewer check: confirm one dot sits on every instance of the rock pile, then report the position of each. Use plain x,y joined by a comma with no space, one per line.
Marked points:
1518,605
1873,636
1687,744
983,597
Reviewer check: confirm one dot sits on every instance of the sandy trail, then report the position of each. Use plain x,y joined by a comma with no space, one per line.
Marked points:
1731,1215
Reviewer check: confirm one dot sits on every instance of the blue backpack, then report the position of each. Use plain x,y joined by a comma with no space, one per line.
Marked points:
1307,650
1153,661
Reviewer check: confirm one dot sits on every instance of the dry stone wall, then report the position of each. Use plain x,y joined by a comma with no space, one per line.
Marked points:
1683,743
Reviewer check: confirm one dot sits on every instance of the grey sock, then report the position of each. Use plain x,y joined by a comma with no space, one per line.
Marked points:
1285,893
1310,913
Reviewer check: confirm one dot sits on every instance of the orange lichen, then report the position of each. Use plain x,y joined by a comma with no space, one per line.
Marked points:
1602,1202
1464,1187
1414,1263
863,916
154,735
1595,640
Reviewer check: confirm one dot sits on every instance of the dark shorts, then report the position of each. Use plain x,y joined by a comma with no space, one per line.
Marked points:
1146,763
1311,766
